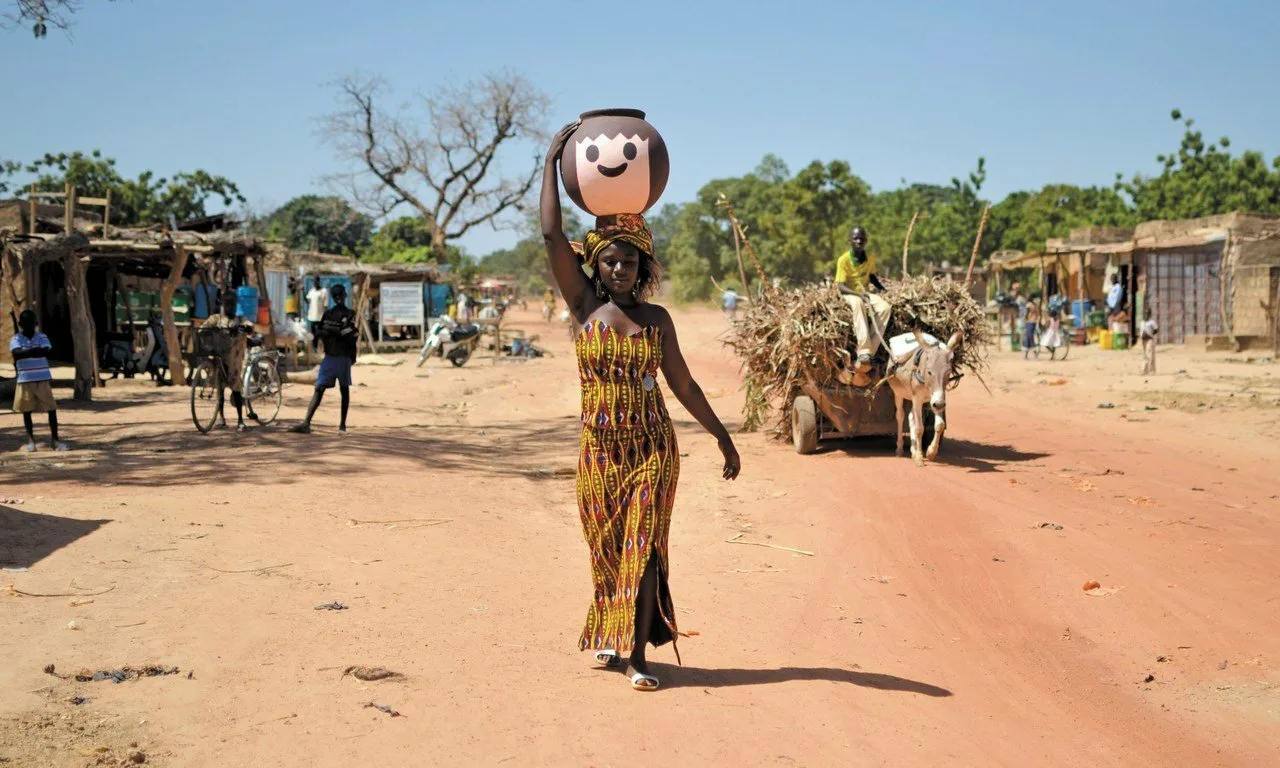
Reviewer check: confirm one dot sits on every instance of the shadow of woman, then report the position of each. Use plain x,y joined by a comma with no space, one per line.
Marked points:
694,677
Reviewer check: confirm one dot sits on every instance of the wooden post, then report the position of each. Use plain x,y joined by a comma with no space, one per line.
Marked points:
977,241
69,210
82,336
906,242
366,287
178,262
737,251
1225,270
1273,314
31,211
106,216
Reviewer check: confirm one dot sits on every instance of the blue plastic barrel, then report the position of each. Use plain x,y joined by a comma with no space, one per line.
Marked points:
1080,310
247,302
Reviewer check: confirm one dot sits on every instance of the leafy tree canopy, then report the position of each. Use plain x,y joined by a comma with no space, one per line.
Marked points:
148,199
1203,178
325,224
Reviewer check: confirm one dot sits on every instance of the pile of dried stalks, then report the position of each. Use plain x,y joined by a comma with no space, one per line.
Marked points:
787,337
941,307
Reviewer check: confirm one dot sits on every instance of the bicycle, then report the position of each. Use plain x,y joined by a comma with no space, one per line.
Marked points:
1063,340
260,385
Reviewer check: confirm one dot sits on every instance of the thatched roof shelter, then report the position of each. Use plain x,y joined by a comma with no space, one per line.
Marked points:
50,273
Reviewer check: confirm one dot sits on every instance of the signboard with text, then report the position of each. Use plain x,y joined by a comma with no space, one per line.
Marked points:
400,304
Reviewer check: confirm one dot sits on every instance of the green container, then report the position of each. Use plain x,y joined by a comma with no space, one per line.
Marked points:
1119,341
1097,318
1015,344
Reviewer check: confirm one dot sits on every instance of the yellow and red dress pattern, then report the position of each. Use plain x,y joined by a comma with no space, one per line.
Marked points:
628,466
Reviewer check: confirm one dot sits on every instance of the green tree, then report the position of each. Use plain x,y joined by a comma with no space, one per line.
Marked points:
325,224
1024,220
148,199
1203,178
407,240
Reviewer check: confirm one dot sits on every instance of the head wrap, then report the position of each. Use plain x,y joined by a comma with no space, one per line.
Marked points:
627,227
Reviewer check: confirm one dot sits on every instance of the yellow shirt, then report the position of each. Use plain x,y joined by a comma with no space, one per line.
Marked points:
852,274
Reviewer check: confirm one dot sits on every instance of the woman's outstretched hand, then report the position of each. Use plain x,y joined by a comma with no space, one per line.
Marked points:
732,464
560,139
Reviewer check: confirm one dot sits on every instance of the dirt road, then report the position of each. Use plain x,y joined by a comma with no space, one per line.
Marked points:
940,620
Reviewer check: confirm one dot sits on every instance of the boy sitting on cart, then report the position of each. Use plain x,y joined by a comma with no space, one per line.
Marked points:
856,277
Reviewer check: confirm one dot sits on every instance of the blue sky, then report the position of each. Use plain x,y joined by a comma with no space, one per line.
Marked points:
1061,92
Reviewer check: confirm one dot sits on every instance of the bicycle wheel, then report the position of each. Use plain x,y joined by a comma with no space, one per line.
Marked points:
1066,345
262,391
205,386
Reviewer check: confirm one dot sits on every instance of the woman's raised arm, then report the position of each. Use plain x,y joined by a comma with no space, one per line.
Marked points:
564,264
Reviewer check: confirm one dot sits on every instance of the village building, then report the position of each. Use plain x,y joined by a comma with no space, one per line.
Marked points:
1209,280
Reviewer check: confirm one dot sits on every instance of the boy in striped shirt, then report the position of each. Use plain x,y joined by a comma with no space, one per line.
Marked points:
30,350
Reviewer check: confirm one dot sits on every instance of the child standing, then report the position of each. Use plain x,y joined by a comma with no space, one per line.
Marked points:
30,350
1030,326
1147,333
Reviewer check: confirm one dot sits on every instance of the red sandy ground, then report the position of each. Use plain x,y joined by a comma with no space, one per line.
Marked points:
936,624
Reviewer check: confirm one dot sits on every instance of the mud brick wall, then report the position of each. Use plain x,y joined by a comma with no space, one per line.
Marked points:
1253,285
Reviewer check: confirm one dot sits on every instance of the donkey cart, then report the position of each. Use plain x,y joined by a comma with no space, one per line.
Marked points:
844,411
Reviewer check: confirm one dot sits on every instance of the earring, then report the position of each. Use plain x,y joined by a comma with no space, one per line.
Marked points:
635,292
600,291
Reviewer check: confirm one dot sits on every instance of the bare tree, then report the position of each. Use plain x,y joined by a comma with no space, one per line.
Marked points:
42,14
448,167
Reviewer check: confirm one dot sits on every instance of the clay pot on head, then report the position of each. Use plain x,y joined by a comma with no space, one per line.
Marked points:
614,163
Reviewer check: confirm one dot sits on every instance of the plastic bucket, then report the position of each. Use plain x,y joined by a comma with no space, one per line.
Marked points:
1119,341
1104,339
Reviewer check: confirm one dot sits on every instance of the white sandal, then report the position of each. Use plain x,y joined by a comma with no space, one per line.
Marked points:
608,658
643,682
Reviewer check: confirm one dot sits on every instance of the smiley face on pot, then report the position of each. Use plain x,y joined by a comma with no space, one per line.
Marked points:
614,163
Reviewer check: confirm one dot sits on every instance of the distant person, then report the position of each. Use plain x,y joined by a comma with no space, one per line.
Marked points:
856,277
464,308
291,298
729,302
238,329
1115,295
548,305
154,358
30,349
1147,333
1030,324
317,302
337,329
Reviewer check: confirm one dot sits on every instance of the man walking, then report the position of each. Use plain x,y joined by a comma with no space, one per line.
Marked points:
30,349
855,277
729,301
337,329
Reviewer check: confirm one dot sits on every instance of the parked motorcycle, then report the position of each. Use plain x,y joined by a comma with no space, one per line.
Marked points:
456,342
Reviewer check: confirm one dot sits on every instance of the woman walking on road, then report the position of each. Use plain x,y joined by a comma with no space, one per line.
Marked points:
628,462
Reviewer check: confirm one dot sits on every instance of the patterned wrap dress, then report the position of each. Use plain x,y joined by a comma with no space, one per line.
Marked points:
628,465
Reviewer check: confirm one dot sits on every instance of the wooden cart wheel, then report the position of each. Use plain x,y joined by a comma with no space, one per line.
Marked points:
804,425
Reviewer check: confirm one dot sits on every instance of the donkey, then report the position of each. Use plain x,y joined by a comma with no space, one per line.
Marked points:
918,375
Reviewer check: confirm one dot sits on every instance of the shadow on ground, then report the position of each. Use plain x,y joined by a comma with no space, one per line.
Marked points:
693,677
26,538
976,457
273,456
982,457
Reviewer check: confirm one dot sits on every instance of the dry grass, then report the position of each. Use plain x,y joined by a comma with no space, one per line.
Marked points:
788,337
